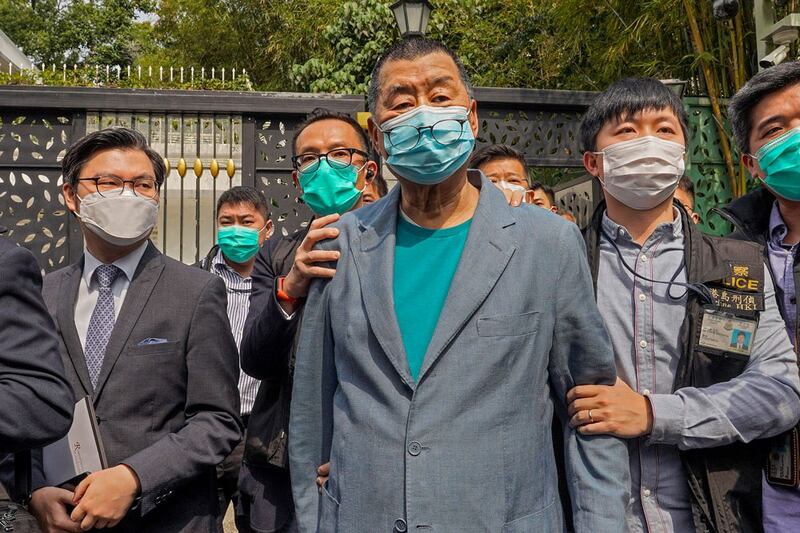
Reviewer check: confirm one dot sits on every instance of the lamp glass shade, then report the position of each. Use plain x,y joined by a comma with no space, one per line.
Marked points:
412,17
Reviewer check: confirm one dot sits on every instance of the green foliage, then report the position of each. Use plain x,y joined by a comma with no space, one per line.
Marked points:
266,37
359,33
94,31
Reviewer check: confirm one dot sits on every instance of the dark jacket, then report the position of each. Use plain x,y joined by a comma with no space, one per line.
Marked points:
169,410
36,399
725,482
266,353
750,218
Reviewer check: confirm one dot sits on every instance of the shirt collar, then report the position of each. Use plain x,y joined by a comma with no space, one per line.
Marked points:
777,227
127,264
219,263
618,232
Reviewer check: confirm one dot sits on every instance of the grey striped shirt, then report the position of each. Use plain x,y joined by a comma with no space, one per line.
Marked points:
239,289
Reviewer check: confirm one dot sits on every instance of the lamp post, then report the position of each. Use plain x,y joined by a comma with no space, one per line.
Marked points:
412,16
676,86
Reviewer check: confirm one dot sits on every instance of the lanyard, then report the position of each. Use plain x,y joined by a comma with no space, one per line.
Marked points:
698,288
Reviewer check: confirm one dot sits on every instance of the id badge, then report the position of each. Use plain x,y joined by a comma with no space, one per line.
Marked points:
723,332
782,462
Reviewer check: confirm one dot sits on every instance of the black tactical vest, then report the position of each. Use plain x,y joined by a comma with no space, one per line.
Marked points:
725,481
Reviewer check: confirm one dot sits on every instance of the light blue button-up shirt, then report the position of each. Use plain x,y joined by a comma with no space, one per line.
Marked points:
644,324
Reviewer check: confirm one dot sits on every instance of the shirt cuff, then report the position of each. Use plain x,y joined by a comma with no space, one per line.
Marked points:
286,316
667,418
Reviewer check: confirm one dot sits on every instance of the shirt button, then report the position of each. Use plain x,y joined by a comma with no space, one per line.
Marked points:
646,493
414,448
643,344
644,259
400,525
642,297
646,392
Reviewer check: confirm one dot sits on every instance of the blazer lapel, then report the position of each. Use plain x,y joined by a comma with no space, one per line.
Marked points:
65,315
144,281
486,254
374,258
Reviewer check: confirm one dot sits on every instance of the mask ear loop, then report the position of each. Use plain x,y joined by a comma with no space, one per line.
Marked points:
366,181
697,288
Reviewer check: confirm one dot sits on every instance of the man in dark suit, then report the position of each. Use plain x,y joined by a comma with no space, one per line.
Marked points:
332,169
148,340
35,397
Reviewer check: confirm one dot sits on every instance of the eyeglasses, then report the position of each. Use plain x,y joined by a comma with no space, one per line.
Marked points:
444,132
110,186
337,158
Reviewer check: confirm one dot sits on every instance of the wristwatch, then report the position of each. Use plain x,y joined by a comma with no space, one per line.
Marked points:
283,297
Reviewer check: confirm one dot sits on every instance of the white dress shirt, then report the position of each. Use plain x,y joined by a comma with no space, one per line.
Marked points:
88,290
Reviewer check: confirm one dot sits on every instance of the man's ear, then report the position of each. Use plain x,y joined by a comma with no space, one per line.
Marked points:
376,137
473,118
593,163
695,217
752,166
268,229
371,171
554,209
68,192
297,182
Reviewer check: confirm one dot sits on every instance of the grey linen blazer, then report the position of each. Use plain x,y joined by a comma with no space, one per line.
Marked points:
468,447
170,411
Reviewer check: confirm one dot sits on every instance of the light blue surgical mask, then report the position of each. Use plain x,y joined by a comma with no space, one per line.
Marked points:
779,159
428,144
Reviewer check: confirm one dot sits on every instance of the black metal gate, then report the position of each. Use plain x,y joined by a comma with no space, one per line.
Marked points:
213,140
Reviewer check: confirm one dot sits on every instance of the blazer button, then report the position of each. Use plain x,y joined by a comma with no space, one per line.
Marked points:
414,448
400,526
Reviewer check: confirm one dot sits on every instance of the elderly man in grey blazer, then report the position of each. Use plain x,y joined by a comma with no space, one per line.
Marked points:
429,368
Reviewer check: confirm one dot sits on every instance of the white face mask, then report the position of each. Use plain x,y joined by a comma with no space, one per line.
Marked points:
505,185
119,220
644,172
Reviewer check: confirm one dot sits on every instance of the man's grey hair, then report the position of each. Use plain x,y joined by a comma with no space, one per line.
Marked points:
406,50
763,84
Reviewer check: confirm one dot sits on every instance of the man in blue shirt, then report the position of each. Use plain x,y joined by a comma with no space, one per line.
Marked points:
672,300
765,115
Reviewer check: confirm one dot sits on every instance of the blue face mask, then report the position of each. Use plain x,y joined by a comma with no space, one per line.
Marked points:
428,144
779,159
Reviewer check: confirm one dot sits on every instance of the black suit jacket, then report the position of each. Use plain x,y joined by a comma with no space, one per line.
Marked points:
265,352
170,411
36,401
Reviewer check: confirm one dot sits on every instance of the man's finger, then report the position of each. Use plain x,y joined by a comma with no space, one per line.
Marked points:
324,470
324,221
317,235
322,256
63,523
80,490
583,391
101,524
78,514
598,428
581,404
319,272
581,418
517,198
88,522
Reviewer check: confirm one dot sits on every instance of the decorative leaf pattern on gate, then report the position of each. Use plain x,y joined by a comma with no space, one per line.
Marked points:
274,173
31,206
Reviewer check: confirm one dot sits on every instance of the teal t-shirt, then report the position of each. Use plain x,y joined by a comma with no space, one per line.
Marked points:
425,261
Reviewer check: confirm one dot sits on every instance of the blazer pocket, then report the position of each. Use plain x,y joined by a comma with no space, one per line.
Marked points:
154,349
548,519
508,325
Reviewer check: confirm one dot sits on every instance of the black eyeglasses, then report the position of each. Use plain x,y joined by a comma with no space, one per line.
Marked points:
444,132
110,186
337,158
